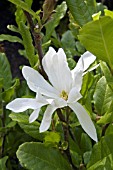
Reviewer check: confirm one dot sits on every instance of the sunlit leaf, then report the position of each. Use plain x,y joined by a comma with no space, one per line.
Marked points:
97,37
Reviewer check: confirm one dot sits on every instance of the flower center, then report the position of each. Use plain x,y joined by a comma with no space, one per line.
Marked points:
64,95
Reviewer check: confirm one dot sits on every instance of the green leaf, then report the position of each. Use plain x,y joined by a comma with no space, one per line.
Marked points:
102,155
9,93
109,130
10,38
52,137
35,156
103,96
5,71
30,128
25,6
53,23
68,44
91,4
96,36
108,13
85,143
3,163
107,73
79,11
27,41
108,116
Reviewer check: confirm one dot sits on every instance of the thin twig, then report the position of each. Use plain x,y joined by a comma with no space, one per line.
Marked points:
66,135
3,125
37,41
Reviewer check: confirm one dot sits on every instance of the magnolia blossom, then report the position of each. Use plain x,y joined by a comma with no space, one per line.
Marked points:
63,90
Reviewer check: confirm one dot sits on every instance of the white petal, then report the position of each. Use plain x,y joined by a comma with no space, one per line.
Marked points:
77,79
34,115
46,121
35,81
22,104
85,61
74,95
58,71
91,69
84,120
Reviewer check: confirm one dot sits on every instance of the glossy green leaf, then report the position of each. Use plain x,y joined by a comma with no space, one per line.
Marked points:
96,36
53,23
5,71
28,44
103,96
3,163
10,38
35,156
79,11
102,155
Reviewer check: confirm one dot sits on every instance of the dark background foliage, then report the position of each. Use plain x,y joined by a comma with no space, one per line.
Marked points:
7,18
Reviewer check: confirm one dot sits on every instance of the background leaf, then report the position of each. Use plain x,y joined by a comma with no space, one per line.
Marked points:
102,155
25,6
3,163
53,23
37,156
79,11
27,41
103,96
10,38
5,71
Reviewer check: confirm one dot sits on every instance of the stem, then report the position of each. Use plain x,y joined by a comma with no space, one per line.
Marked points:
66,134
4,135
37,41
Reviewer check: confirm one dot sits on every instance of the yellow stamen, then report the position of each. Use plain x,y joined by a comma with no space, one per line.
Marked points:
64,95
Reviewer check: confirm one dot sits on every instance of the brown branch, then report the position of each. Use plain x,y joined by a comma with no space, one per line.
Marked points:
37,41
65,126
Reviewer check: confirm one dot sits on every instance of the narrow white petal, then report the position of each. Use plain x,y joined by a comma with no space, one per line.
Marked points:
45,92
58,71
35,81
22,104
74,95
46,121
91,69
77,79
84,120
85,61
34,115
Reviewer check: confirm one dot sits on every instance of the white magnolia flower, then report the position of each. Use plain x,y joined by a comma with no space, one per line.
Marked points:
64,90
